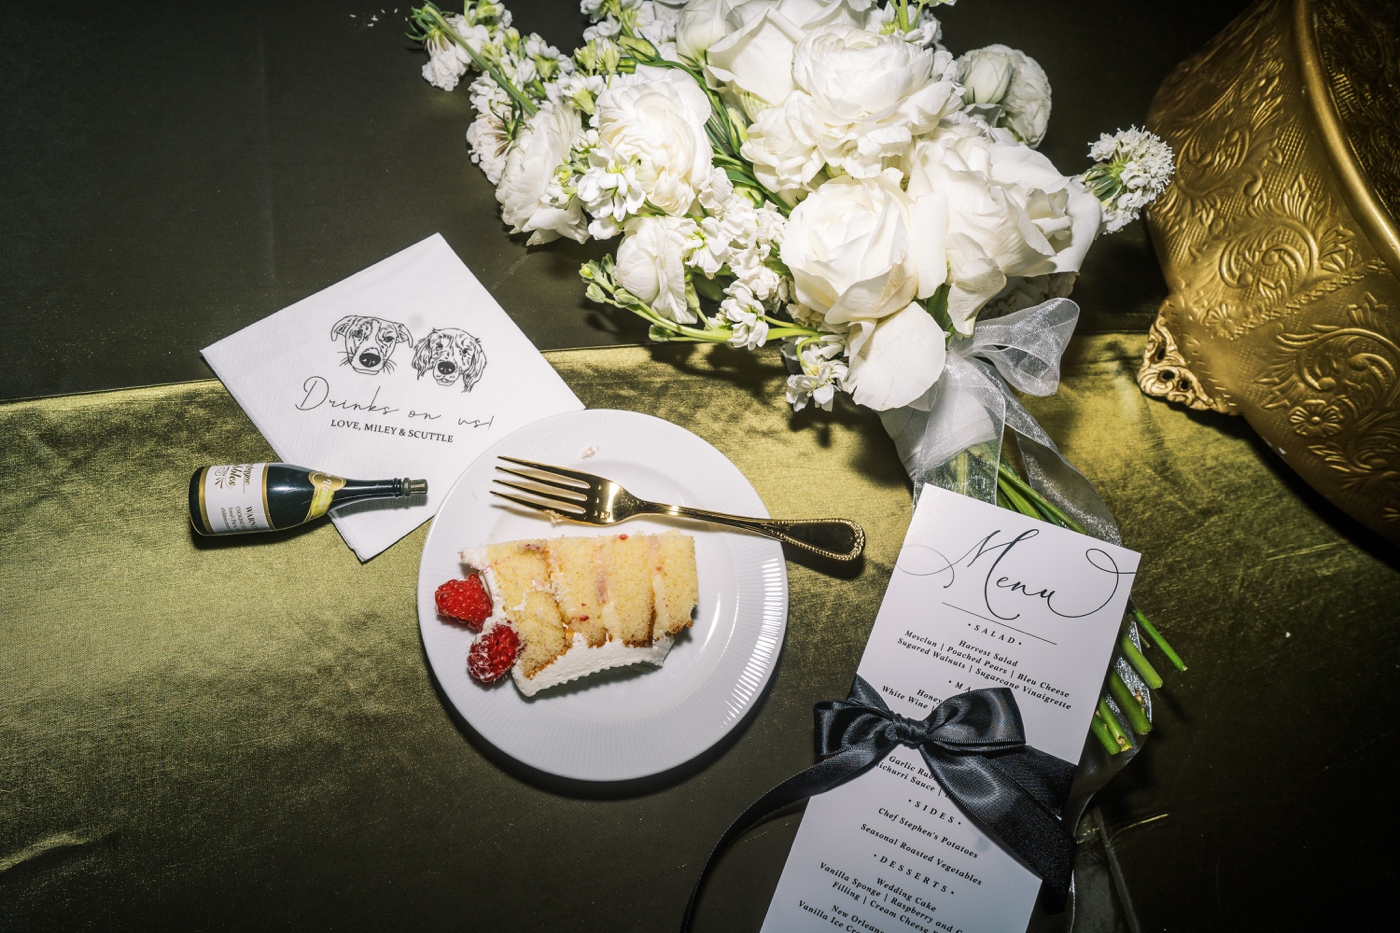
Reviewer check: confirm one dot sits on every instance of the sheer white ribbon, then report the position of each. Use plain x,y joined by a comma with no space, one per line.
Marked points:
971,404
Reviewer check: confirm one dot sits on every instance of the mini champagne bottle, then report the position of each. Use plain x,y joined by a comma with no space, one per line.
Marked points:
238,498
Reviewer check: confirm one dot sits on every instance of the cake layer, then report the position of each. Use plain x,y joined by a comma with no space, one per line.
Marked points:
675,584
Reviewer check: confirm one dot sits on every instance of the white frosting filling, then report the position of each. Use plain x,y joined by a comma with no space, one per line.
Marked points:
580,660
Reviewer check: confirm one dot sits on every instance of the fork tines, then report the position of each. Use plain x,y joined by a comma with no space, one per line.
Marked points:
568,502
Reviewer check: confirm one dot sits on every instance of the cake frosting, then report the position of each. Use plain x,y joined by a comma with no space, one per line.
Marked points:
584,604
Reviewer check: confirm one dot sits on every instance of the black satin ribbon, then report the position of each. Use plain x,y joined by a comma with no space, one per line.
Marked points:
974,746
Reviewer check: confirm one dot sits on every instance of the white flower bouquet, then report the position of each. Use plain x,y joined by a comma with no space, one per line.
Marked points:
824,174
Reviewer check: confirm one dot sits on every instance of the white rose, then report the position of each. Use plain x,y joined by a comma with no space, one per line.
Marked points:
755,58
651,263
654,119
701,24
860,252
899,363
1010,214
542,146
871,95
784,150
1007,88
1026,107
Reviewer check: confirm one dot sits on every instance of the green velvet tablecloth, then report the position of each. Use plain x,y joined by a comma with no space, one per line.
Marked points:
238,734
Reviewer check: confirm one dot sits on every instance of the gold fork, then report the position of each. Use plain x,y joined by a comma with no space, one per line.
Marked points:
594,500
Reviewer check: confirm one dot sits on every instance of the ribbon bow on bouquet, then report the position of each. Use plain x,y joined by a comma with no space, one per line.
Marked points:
974,745
971,403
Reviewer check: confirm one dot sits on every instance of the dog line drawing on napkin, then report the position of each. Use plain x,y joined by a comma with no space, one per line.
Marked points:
369,342
450,354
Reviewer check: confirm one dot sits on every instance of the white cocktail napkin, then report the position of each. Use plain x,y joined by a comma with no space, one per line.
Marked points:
407,369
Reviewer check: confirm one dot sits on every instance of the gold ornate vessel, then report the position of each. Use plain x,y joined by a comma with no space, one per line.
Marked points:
1279,242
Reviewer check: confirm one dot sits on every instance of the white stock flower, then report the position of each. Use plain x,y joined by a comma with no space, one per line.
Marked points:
744,312
1135,166
605,29
477,35
925,32
524,190
657,24
1007,88
755,58
741,236
447,61
489,144
822,371
487,96
871,95
1009,213
654,121
520,73
609,189
581,90
651,263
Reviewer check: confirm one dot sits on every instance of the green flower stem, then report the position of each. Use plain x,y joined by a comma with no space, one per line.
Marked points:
1120,738
792,330
1008,478
1156,636
1100,730
1129,703
599,277
433,15
903,19
1140,664
1007,473
1018,502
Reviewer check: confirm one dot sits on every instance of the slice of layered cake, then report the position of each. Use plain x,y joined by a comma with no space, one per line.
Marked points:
578,605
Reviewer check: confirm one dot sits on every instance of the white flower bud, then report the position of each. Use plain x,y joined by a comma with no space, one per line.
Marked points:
702,23
985,75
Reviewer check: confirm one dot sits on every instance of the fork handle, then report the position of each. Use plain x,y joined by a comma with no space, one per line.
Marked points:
834,538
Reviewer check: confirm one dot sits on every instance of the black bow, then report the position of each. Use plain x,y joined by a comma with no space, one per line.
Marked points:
974,746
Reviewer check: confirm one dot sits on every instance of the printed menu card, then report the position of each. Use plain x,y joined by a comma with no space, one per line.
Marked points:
980,597
407,369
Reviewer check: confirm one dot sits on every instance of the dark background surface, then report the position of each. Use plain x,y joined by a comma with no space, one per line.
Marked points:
172,172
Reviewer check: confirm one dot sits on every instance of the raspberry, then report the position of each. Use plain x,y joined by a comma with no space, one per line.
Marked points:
492,653
465,600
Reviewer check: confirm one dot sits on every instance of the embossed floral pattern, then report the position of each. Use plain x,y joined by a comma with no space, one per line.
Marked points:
1316,418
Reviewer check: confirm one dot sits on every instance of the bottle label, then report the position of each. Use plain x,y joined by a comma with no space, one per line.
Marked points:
326,486
233,498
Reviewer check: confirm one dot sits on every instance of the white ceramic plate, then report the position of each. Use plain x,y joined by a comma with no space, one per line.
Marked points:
628,722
